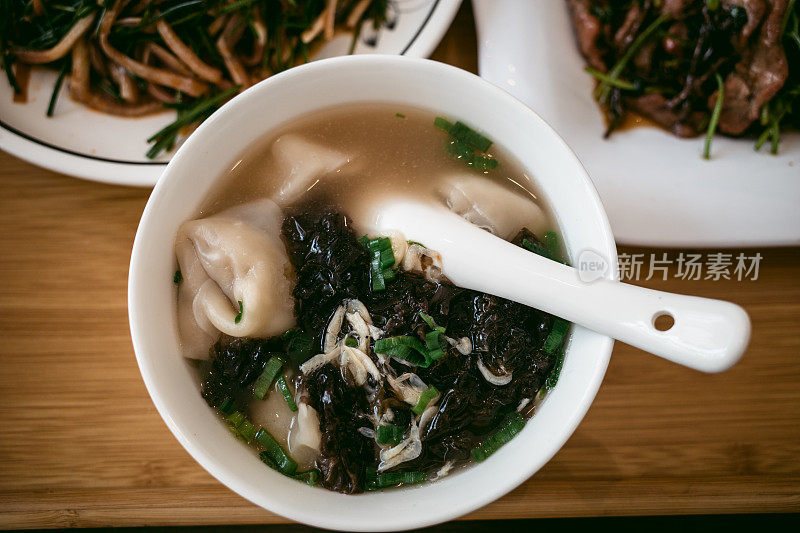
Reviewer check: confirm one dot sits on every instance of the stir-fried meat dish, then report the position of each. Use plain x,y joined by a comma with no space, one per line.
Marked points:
695,66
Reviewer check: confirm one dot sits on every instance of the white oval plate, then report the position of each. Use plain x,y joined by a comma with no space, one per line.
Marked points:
656,188
86,144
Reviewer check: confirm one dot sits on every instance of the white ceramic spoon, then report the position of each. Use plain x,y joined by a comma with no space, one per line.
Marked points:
708,335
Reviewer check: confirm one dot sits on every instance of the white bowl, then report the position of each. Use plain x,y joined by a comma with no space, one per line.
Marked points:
212,149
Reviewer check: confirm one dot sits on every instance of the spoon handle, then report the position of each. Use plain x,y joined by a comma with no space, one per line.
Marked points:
707,335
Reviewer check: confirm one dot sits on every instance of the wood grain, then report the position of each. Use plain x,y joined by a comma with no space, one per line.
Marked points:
82,445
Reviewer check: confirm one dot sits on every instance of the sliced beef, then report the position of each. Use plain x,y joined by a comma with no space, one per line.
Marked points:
587,30
631,25
674,8
655,107
754,12
759,75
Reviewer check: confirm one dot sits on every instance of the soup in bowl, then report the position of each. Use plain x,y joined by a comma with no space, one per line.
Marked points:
292,346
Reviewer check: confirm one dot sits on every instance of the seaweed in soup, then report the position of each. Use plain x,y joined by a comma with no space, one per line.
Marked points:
235,365
330,263
343,409
506,336
396,310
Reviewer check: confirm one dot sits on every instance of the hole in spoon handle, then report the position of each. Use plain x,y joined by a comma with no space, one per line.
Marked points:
663,321
701,333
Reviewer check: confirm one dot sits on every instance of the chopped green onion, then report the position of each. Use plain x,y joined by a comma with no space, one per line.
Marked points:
264,381
552,378
712,5
377,281
266,458
227,405
712,125
351,342
177,277
246,430
435,354
381,259
470,137
411,349
411,243
614,82
482,162
404,352
375,481
286,393
275,453
551,243
388,274
548,249
537,248
509,429
459,150
391,435
424,399
556,337
299,345
309,477
443,124
379,244
238,317
51,107
404,347
387,258
241,427
235,418
435,345
399,115
431,323
463,143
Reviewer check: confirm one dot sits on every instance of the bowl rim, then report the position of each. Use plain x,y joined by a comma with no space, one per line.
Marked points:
487,494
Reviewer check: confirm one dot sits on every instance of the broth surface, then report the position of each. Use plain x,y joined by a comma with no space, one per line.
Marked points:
388,157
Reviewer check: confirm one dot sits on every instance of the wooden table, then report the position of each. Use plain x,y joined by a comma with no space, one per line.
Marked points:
82,445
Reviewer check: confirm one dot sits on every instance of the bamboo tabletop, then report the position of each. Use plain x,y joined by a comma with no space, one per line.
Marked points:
82,445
